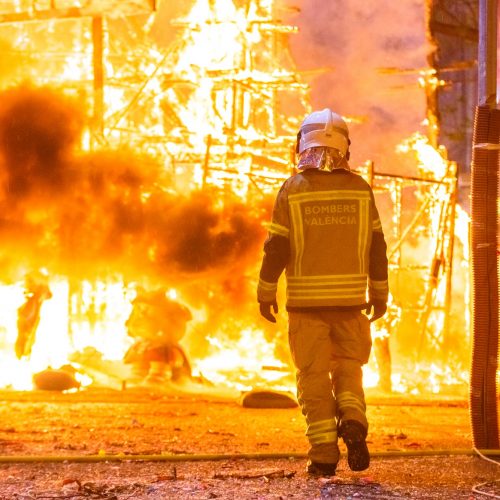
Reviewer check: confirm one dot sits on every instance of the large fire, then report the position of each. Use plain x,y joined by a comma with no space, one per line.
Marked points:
158,200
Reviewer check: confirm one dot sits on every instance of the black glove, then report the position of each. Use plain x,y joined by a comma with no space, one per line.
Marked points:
379,309
265,310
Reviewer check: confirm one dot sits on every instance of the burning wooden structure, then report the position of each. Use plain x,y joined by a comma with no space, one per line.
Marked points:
212,126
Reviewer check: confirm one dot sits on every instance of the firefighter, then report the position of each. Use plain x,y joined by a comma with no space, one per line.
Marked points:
326,232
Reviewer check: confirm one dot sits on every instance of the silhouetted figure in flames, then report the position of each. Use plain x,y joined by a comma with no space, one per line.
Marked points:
157,323
36,292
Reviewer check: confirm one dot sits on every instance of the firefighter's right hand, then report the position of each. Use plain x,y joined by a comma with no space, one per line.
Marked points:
379,309
265,310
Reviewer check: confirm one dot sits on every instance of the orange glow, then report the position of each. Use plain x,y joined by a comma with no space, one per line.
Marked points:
205,116
240,362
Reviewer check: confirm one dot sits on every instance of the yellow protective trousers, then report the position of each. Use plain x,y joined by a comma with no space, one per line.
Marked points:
329,349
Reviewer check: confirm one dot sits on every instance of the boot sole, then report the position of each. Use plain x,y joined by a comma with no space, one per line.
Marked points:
358,456
321,470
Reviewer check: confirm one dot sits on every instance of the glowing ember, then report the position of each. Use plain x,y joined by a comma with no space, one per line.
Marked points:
245,362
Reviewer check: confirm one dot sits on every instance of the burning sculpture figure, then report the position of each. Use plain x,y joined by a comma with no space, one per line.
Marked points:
157,324
326,232
36,291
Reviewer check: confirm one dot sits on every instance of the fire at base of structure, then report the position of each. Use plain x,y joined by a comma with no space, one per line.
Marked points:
217,106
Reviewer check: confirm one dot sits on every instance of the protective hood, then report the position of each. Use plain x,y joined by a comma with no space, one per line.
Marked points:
322,158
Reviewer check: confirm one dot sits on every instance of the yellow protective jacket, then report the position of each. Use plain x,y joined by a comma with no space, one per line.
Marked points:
326,232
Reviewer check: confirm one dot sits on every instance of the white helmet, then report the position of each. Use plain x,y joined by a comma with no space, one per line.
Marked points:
323,128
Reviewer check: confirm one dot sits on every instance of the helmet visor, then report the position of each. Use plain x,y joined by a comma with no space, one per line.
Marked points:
322,158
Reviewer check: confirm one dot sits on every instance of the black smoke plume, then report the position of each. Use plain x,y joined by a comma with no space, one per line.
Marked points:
38,130
90,215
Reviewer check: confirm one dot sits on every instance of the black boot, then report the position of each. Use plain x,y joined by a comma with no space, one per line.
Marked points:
354,435
320,469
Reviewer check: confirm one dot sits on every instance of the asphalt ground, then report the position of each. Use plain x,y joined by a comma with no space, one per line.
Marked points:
150,444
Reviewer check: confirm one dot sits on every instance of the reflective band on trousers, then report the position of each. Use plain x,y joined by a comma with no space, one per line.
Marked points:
348,399
322,431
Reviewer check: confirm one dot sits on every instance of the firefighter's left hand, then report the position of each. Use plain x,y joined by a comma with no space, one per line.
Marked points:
265,310
379,309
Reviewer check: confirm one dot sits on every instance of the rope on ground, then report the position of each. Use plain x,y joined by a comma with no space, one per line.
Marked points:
476,486
484,457
485,493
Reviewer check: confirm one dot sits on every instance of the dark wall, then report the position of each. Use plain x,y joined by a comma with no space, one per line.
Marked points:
453,29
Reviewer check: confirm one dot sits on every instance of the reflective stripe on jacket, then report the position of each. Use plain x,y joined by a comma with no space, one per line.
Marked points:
326,232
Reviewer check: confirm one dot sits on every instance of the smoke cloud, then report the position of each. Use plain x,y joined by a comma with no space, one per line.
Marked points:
372,52
38,129
109,212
